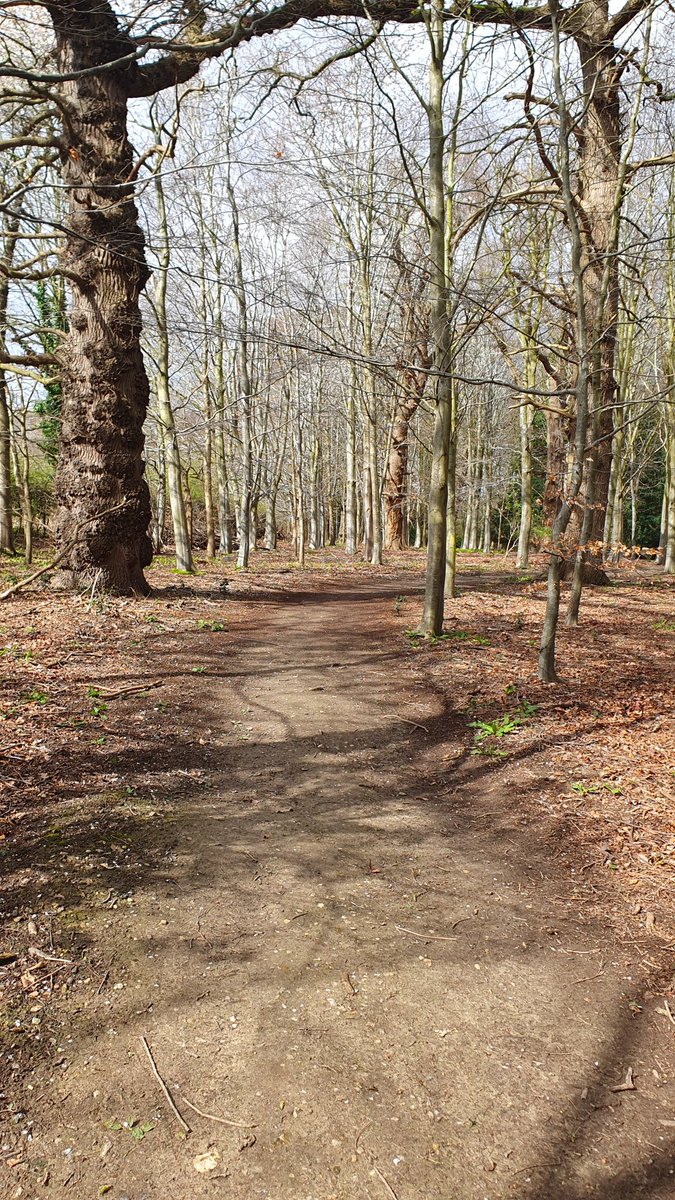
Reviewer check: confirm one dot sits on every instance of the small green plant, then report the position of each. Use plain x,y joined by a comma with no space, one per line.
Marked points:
16,652
214,626
665,626
508,723
500,727
592,789
489,751
137,1129
34,697
467,635
99,707
198,670
428,639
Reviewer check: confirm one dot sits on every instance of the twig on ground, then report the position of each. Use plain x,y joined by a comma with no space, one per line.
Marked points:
425,937
360,1135
183,1123
666,1011
127,691
628,1084
33,950
414,723
588,978
386,1182
220,1120
93,586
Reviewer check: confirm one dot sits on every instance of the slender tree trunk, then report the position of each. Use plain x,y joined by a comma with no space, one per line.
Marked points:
6,521
271,521
525,416
169,433
315,532
21,461
367,502
547,666
299,526
174,471
451,536
351,535
613,532
244,385
441,339
669,556
160,506
208,499
663,527
224,518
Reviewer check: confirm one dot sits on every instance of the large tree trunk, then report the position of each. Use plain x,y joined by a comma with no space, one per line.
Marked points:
105,388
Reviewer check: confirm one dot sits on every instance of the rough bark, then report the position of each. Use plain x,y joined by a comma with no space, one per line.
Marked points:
105,387
413,384
397,472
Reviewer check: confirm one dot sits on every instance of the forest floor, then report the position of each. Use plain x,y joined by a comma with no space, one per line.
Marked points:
398,917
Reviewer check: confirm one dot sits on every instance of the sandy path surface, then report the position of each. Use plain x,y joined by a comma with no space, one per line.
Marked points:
356,947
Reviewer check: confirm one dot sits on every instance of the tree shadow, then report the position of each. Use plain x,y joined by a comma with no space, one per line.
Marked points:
406,846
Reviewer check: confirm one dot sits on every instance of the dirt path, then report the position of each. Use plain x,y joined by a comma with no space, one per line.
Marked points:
357,947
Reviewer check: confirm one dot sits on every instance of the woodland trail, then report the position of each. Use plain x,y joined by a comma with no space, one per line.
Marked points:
357,950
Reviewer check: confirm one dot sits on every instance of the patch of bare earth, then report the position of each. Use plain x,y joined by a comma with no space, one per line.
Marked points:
393,919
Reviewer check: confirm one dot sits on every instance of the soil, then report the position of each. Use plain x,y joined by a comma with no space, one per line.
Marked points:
396,917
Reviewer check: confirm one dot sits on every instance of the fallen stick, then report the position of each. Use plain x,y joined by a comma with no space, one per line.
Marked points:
183,1124
415,724
16,587
35,953
127,691
425,937
385,1181
666,1012
588,978
628,1084
220,1120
